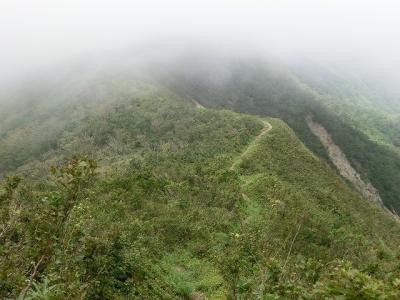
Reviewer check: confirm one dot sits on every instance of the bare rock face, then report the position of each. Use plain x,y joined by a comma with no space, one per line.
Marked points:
339,159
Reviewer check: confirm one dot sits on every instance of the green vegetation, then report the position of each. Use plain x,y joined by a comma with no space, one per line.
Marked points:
265,89
142,202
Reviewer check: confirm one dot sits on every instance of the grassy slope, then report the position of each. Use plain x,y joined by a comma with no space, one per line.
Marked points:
264,89
39,119
167,218
313,194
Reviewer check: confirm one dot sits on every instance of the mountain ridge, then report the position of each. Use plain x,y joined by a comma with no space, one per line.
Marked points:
157,191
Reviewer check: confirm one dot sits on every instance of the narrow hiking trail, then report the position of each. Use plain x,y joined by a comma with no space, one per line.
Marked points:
267,128
264,131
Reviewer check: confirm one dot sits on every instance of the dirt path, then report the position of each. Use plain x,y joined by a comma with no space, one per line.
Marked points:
264,131
267,128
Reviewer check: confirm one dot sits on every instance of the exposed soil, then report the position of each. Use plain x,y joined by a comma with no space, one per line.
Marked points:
339,159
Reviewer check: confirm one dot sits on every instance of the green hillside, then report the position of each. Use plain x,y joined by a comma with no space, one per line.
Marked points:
131,192
266,88
357,99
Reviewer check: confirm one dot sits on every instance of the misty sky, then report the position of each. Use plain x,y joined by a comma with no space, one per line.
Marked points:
38,33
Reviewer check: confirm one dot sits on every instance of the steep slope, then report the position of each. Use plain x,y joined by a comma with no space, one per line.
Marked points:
266,88
165,216
338,158
356,98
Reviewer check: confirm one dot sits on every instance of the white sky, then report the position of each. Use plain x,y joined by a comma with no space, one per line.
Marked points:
35,33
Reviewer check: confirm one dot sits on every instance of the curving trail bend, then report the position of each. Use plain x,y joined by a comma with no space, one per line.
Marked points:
267,128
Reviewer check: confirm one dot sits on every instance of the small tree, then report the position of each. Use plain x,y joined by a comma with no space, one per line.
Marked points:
76,174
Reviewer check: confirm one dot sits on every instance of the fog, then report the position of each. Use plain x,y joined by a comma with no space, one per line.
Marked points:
363,35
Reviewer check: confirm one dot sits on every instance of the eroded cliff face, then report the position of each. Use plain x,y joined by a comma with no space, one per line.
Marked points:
339,159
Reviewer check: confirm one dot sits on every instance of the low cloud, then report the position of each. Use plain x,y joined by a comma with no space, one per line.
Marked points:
38,34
